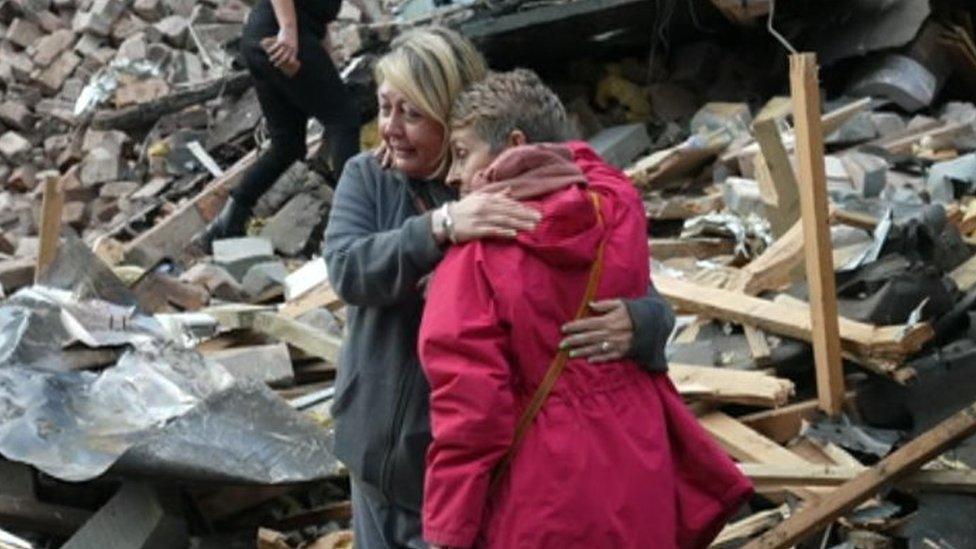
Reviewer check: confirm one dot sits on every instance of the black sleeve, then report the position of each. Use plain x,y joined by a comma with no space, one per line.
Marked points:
653,322
367,266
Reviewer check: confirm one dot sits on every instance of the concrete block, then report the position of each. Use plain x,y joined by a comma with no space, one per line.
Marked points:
47,49
946,177
216,280
743,197
49,23
180,7
52,78
621,145
186,68
28,246
868,172
23,33
264,277
237,255
306,277
138,516
100,166
269,364
323,320
175,30
15,115
13,146
290,229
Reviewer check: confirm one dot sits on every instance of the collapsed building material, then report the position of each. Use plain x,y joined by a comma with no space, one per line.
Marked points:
771,477
871,343
816,232
725,385
903,461
137,516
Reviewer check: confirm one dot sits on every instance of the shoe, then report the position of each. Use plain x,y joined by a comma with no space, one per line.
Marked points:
229,223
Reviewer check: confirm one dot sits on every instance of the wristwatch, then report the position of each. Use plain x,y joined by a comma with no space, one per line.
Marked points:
442,224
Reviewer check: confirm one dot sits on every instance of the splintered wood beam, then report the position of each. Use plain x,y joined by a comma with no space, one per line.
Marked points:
767,477
748,446
901,462
726,385
777,166
783,424
866,341
50,233
816,232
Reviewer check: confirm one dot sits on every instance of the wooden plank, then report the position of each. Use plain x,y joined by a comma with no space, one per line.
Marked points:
778,265
866,341
748,446
699,248
784,423
812,178
734,534
900,463
766,476
50,233
777,166
266,321
16,273
321,296
726,385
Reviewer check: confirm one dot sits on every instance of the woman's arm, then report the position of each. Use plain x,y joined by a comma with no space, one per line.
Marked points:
635,328
369,266
463,345
285,49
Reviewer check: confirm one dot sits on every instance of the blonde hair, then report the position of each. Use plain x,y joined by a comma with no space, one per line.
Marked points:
431,67
507,101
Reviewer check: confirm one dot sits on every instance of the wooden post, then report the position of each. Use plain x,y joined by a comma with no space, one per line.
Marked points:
816,232
903,461
50,225
780,172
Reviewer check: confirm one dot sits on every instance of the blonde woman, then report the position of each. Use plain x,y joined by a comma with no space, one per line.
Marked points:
388,229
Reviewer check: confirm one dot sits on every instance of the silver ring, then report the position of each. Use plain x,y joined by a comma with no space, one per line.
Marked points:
605,346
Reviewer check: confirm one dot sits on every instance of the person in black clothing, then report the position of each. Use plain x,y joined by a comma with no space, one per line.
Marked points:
295,79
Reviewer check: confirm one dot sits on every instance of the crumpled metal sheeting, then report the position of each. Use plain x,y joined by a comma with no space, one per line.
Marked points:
38,322
169,411
244,434
104,83
75,425
752,233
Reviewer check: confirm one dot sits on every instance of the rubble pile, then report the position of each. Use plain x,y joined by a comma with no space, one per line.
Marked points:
156,370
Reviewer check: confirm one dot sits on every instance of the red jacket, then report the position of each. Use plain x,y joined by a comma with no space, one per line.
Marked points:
614,459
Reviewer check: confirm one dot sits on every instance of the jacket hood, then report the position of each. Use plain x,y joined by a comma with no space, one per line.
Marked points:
546,177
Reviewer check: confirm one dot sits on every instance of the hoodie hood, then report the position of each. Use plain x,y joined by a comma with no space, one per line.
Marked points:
546,177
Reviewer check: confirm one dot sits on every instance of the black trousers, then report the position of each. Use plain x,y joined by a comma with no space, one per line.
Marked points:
288,102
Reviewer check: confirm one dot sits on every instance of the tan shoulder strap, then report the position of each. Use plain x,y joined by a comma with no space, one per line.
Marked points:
559,361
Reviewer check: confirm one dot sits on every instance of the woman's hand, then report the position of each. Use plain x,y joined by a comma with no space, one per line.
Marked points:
606,336
284,51
490,215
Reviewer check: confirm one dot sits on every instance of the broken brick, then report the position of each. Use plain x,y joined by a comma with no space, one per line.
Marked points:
150,10
23,32
13,146
15,115
140,92
118,189
100,166
23,179
175,29
74,214
51,46
53,77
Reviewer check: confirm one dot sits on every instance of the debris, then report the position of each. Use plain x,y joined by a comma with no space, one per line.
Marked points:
621,145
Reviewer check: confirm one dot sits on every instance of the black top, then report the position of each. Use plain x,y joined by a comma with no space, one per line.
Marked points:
312,15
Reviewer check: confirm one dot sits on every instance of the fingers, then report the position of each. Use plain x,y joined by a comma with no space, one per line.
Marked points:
588,324
583,340
606,305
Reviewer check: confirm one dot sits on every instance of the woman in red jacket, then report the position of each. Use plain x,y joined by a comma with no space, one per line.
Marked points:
613,458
